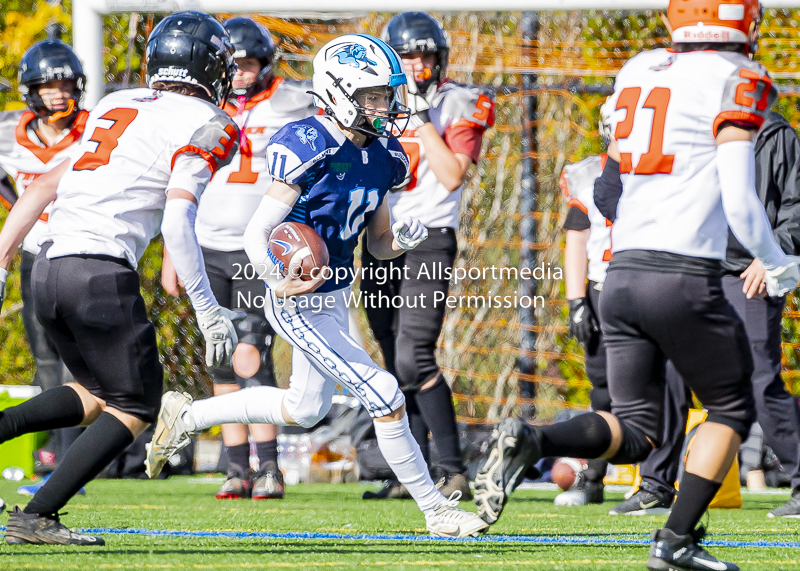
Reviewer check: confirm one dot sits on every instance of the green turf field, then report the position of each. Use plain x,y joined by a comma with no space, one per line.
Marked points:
187,504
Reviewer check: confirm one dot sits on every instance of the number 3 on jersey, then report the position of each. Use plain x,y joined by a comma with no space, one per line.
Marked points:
654,161
107,139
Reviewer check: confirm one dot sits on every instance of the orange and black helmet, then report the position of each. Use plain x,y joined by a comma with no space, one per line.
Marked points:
715,21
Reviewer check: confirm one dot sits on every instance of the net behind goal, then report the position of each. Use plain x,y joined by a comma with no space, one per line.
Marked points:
551,71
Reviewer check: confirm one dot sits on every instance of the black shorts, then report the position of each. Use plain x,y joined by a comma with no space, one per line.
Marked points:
595,354
92,309
649,317
226,274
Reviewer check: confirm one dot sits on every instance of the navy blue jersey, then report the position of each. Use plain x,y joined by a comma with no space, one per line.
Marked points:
341,184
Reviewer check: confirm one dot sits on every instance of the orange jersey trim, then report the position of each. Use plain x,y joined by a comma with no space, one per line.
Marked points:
45,154
212,162
739,116
578,204
231,109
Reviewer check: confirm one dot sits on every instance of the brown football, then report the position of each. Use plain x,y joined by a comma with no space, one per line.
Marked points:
297,249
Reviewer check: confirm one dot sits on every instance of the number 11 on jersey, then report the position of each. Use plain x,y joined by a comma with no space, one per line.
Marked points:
654,161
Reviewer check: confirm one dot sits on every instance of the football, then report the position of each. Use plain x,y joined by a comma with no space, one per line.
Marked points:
297,250
565,472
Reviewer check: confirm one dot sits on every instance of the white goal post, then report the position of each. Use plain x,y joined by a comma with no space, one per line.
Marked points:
87,23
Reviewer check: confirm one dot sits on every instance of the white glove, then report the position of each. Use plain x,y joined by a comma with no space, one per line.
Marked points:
784,279
3,278
417,104
216,324
409,233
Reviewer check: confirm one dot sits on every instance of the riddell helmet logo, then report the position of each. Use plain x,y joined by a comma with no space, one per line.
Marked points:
708,35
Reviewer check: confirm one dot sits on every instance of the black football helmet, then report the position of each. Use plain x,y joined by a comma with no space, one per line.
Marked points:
409,32
49,60
252,40
191,47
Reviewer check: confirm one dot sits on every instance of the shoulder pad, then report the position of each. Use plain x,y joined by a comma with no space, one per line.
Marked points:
459,102
217,141
578,177
748,94
294,150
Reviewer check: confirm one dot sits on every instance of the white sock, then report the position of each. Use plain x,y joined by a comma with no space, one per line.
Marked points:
256,405
404,457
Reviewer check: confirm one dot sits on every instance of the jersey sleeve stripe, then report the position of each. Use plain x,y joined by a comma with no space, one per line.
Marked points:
563,183
210,159
578,204
739,117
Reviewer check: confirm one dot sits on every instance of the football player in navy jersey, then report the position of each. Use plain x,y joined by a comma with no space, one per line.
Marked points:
332,173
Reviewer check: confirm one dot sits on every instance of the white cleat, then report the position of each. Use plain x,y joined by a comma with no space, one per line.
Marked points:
174,431
446,520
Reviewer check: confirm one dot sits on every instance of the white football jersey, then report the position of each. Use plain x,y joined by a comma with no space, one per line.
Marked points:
25,159
233,195
669,107
459,113
577,183
111,199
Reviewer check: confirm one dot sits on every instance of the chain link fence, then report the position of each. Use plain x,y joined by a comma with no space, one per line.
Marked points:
558,64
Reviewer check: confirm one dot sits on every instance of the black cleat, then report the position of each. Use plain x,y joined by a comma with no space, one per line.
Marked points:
644,502
671,552
268,483
41,529
514,448
391,490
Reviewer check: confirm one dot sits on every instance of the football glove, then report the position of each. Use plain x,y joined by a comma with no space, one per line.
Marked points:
418,106
783,279
3,278
604,125
216,325
409,233
582,320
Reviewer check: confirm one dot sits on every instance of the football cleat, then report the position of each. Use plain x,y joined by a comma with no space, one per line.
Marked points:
644,502
446,520
40,529
174,431
268,483
513,449
671,552
454,482
237,485
790,509
391,490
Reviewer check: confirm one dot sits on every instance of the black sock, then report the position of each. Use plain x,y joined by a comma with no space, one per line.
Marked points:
584,436
436,406
97,446
693,499
58,407
267,452
595,470
240,456
416,423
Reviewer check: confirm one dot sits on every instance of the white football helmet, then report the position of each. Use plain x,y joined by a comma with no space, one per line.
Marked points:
348,66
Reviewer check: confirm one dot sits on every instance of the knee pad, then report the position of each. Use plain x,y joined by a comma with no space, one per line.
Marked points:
415,366
254,330
381,395
635,446
740,427
306,409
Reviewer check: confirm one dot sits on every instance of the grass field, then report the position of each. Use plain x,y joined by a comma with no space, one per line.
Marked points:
177,524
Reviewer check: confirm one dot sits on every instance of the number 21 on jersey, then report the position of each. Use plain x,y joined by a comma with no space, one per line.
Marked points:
654,161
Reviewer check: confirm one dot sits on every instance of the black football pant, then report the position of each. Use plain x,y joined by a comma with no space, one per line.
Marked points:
663,461
651,317
408,335
776,410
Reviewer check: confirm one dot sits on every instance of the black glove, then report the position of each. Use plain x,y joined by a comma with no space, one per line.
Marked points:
582,320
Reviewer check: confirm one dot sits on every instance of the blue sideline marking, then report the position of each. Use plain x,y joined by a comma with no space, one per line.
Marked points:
624,539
